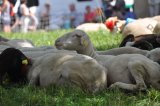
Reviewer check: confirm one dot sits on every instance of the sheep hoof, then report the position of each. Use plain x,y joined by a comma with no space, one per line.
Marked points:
142,87
113,86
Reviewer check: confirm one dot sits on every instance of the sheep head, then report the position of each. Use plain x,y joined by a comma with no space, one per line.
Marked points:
76,40
15,64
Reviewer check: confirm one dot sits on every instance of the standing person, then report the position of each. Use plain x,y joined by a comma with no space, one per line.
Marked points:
6,18
154,7
74,16
45,16
89,16
33,4
107,8
117,13
16,10
118,8
120,5
25,16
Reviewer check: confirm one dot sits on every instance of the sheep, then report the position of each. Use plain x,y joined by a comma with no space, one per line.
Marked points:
122,50
67,69
3,39
58,68
92,27
145,42
42,53
115,51
133,72
37,51
140,27
15,64
17,43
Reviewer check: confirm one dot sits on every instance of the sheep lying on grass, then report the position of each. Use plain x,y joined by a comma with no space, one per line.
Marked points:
54,68
114,51
145,42
17,43
37,54
15,64
142,26
127,71
3,39
122,50
64,69
92,27
37,51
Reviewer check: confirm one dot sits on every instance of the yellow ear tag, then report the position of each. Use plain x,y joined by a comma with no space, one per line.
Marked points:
85,43
25,62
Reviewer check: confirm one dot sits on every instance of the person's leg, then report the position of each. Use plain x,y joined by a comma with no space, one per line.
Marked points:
156,10
17,22
6,27
25,24
33,12
151,10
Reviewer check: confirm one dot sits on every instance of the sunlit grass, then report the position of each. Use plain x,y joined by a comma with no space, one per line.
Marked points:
73,96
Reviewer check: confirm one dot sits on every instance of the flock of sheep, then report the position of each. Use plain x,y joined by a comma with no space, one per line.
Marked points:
74,61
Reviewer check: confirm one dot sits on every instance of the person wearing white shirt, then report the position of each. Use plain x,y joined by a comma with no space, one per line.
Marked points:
25,19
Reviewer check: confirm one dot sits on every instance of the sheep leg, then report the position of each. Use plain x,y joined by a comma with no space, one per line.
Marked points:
137,71
35,76
130,87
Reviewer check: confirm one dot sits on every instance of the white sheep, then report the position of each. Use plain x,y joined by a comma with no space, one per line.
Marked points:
127,71
92,27
140,27
64,69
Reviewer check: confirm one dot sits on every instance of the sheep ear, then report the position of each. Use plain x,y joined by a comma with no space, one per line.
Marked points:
78,35
84,42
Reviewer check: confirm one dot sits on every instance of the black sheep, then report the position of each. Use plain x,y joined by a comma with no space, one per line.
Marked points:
14,63
145,42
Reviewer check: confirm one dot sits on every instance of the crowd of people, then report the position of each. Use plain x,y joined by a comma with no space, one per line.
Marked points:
25,14
19,12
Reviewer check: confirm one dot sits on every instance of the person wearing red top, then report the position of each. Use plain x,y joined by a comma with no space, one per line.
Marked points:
89,16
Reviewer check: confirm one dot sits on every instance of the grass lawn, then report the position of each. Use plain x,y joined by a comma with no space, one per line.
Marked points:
73,96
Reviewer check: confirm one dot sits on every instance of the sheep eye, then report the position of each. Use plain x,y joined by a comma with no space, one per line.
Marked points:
78,35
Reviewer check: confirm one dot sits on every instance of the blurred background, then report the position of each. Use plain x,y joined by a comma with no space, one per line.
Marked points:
31,15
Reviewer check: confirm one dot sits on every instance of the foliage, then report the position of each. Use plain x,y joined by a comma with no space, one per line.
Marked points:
73,96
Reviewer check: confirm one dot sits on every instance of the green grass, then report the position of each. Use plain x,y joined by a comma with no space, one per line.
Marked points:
73,96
